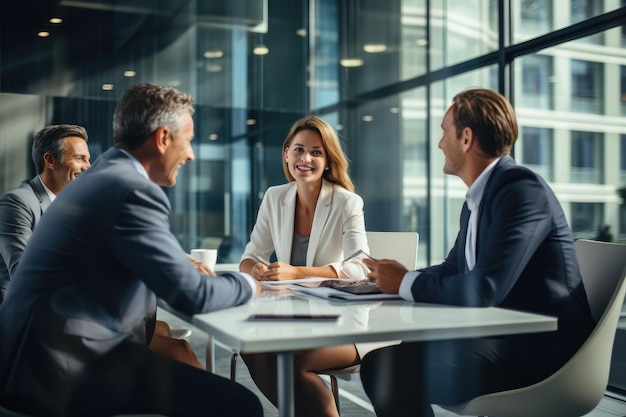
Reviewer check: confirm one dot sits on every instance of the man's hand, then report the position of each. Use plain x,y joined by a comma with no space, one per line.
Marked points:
201,266
386,273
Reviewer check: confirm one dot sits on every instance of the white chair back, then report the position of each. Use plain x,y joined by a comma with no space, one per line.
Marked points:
401,246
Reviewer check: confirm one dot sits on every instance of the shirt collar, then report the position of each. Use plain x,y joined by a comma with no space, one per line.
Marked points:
475,193
48,191
140,169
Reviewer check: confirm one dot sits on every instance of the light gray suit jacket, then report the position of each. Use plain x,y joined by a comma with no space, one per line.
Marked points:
20,211
89,277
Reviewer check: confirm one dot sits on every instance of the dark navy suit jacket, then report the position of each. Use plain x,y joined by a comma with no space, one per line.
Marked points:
525,260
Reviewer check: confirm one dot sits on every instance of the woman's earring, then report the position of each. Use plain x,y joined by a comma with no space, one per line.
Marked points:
326,169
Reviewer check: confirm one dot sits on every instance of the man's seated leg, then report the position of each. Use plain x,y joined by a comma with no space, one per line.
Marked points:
132,379
404,380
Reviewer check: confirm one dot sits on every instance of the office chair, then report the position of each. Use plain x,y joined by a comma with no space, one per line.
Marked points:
579,385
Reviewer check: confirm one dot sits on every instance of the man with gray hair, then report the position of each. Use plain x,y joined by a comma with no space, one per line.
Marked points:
60,154
73,331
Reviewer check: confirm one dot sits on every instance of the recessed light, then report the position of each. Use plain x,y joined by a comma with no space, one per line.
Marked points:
422,42
213,54
301,32
55,20
43,34
250,122
374,48
368,118
351,62
213,136
129,73
394,110
107,87
261,50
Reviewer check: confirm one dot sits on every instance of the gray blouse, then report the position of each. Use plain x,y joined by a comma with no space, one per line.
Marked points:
299,248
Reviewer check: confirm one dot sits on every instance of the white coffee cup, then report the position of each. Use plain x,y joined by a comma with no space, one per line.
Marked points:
207,256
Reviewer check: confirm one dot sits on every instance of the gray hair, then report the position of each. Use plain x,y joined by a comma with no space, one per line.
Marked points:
143,109
50,140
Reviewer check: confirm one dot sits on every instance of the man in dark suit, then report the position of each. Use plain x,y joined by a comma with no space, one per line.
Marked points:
60,154
514,250
72,327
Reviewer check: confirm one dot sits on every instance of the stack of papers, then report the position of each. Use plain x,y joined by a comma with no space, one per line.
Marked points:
318,287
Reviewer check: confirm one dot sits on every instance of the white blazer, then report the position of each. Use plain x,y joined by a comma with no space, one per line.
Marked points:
338,229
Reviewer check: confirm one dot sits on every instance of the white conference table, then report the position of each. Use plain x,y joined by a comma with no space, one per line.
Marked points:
359,322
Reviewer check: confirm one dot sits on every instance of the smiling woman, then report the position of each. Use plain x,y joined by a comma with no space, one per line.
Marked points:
310,224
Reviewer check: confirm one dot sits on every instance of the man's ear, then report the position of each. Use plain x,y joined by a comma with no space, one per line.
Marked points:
467,138
161,139
49,160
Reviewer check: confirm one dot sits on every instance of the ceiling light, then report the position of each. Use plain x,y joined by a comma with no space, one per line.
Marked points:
129,73
43,34
351,62
339,126
422,42
107,87
213,54
394,110
55,20
301,32
374,48
213,136
250,122
368,118
261,50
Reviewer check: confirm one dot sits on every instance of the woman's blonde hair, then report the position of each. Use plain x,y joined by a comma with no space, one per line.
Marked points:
337,171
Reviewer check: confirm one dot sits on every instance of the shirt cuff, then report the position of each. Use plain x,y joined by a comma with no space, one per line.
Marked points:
251,282
407,284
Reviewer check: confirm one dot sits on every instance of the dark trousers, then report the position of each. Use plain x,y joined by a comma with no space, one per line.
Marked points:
403,380
143,382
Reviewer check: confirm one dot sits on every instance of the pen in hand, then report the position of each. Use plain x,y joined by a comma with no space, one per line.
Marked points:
261,259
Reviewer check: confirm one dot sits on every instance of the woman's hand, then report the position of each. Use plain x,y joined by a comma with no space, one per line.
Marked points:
279,271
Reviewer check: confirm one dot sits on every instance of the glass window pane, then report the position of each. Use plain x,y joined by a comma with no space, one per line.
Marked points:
534,18
587,157
462,30
537,150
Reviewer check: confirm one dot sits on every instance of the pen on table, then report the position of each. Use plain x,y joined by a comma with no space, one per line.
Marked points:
261,259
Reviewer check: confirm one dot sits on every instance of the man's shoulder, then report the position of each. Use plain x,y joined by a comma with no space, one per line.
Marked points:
24,192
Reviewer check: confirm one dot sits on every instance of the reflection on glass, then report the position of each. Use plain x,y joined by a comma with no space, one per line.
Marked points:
587,157
537,81
587,86
537,149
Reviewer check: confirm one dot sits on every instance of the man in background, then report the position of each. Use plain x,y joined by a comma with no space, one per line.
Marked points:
514,250
60,154
72,327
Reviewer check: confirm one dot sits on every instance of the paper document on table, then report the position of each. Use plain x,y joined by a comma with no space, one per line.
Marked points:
307,281
338,295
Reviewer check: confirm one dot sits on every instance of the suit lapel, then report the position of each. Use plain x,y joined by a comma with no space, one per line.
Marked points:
461,262
322,211
40,193
287,218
